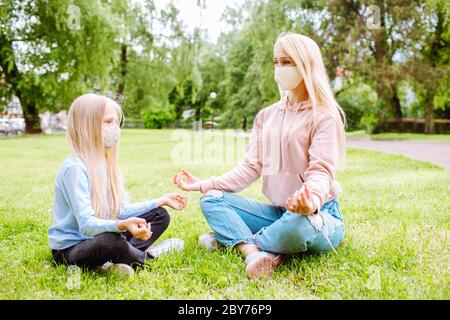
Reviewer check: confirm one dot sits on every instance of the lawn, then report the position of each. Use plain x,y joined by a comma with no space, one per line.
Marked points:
361,134
396,244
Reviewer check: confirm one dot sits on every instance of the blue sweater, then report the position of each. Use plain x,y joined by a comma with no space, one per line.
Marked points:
73,216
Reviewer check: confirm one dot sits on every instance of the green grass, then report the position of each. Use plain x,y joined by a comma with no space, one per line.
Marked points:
411,136
396,244
361,134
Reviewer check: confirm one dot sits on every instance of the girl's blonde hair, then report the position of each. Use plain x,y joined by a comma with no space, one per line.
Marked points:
307,56
85,136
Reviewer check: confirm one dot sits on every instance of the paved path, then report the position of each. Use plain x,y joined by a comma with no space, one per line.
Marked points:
438,153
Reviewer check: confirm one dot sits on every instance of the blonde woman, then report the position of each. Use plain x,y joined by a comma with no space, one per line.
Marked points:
94,226
295,145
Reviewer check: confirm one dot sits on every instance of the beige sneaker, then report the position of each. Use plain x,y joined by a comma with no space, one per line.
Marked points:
208,241
118,268
259,265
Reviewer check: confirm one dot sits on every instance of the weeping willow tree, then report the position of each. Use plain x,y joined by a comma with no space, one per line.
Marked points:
50,52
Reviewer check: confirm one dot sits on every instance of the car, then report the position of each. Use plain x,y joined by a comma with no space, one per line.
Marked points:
11,127
17,125
5,128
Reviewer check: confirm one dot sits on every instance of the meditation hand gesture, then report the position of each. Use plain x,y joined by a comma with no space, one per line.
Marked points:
191,183
301,201
173,200
138,227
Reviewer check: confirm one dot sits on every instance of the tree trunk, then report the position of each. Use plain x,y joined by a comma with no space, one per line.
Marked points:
198,113
14,78
429,118
123,69
244,124
32,120
396,108
381,56
385,91
437,46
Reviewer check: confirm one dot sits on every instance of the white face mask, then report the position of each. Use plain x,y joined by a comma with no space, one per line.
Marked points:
288,78
111,135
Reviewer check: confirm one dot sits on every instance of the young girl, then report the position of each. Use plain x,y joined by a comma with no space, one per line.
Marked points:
93,225
295,146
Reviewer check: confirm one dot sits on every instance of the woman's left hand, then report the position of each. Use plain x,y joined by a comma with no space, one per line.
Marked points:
175,200
301,201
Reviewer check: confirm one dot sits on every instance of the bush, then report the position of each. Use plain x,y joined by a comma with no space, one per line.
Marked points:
361,106
368,122
157,117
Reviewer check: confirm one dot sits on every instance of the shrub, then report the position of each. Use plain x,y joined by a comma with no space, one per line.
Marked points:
359,100
368,122
157,117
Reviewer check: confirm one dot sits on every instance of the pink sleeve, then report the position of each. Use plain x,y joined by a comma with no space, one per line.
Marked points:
323,156
247,172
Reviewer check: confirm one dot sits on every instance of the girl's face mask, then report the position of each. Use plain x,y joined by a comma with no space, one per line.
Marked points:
288,78
111,135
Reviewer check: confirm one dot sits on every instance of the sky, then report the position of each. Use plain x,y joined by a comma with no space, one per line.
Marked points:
208,18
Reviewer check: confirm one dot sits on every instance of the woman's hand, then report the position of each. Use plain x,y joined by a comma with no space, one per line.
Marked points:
301,201
174,200
138,227
191,183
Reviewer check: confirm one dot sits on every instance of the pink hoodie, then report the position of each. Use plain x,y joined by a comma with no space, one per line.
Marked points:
288,147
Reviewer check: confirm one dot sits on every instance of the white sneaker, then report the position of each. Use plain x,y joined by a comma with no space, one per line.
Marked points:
167,246
121,269
208,241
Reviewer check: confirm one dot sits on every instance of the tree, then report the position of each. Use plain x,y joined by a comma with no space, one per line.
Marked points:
431,59
185,59
143,74
378,39
249,84
50,52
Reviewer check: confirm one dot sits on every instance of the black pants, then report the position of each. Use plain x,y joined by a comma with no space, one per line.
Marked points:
115,247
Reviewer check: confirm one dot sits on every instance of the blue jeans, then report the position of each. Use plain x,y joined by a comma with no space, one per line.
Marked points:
235,219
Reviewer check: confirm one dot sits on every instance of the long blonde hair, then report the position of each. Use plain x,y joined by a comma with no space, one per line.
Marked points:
307,56
85,137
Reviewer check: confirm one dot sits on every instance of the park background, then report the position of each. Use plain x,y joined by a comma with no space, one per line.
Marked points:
175,64
388,61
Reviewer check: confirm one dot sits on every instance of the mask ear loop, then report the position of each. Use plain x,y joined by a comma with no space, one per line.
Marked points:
329,242
325,235
121,122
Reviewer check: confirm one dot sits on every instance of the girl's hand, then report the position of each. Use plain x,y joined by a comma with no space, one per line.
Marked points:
191,183
174,200
138,227
301,201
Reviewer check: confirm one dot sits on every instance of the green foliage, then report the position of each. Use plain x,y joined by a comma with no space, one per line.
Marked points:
144,74
360,104
67,48
47,59
157,117
59,60
368,122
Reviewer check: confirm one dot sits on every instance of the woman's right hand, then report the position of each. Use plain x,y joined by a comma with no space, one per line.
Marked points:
138,227
191,183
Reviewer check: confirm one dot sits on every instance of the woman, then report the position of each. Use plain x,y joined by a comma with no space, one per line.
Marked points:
94,226
295,144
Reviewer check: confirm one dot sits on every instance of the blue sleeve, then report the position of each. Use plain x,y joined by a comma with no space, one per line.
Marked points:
76,190
136,209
